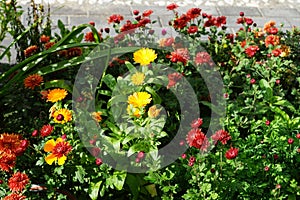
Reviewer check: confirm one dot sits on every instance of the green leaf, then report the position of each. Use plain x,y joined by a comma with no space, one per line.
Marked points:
265,85
155,97
285,103
133,184
94,190
110,81
80,173
119,179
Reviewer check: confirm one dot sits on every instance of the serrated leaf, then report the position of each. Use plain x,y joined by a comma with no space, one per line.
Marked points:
119,179
94,190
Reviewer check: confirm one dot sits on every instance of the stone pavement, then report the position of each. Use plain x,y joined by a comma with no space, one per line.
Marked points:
78,12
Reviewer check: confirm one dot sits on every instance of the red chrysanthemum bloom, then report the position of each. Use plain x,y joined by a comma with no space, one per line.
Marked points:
10,142
89,37
197,123
196,138
14,196
115,18
173,79
272,40
181,22
222,136
32,81
128,27
192,29
172,6
276,52
46,130
48,45
44,39
202,58
193,13
179,55
143,22
30,50
7,160
18,182
251,50
231,153
147,13
272,30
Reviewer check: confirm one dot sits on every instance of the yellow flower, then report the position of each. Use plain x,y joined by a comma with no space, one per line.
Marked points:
133,111
56,95
153,112
286,50
139,99
59,150
144,56
97,116
138,78
62,116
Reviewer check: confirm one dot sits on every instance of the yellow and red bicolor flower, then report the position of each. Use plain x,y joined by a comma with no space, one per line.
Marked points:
58,149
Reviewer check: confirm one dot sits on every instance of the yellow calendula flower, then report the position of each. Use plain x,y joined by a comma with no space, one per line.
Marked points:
56,95
144,56
139,99
58,149
62,116
138,78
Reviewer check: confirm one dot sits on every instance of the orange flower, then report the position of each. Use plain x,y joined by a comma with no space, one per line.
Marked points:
59,150
33,81
97,116
56,95
18,182
14,196
7,160
268,25
30,50
272,39
10,142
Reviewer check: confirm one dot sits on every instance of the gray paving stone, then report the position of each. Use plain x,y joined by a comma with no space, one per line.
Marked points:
294,21
282,12
109,10
235,11
67,10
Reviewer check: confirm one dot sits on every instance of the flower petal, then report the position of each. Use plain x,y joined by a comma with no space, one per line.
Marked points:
62,160
49,145
50,159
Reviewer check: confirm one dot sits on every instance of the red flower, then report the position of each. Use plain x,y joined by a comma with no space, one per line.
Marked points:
272,30
197,123
298,135
172,6
129,27
272,40
251,50
135,12
46,130
115,18
276,52
89,37
252,81
173,79
196,138
222,136
180,55
147,13
290,140
7,160
192,29
18,182
14,196
95,151
231,153
202,57
193,13
143,22
44,39
98,161
181,22
30,50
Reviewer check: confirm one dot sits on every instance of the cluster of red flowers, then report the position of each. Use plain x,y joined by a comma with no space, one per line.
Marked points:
251,50
244,20
222,136
195,137
215,21
30,50
202,58
179,55
11,146
173,79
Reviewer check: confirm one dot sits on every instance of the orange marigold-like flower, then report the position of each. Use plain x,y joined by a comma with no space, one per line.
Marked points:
30,50
18,182
44,38
59,150
7,160
10,142
272,39
56,95
32,81
268,25
14,196
97,116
